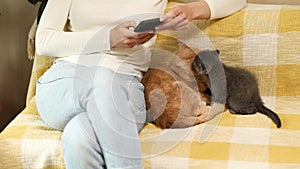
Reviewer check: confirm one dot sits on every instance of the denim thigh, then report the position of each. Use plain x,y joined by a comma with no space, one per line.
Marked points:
64,90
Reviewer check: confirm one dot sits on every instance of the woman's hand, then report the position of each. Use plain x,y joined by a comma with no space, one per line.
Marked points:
123,37
178,17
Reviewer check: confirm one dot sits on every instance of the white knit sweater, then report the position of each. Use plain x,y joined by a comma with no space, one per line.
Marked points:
86,40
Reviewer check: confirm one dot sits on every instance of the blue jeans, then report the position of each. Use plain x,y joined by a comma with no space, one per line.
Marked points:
99,111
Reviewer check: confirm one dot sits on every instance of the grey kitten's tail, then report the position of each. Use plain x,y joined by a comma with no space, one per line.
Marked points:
262,109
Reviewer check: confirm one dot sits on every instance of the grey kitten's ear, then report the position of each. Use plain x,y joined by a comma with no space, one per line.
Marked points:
218,51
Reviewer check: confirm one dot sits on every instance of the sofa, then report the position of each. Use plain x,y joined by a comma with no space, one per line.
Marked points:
262,38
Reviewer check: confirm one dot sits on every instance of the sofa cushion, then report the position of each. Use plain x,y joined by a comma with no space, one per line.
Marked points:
261,38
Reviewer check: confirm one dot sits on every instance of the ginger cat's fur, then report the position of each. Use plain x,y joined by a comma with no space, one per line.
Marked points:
174,98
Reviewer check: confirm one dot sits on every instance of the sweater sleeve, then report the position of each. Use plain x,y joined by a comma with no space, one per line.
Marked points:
222,8
52,40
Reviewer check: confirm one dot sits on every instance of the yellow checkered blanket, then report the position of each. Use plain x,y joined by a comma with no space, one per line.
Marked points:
264,39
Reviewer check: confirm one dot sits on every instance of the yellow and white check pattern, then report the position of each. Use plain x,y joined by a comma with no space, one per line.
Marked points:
264,39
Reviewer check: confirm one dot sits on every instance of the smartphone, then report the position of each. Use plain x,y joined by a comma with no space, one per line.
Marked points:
147,25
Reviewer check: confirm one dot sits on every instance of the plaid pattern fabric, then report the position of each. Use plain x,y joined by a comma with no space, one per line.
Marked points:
264,39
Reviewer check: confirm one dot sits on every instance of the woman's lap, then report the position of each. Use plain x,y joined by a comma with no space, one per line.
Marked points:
65,90
113,104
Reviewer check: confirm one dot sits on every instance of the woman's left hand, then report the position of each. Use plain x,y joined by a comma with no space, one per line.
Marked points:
178,17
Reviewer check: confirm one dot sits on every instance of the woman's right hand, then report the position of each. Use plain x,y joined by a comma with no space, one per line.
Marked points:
123,37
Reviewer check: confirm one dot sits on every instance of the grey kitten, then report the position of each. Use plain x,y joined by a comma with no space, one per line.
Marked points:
242,93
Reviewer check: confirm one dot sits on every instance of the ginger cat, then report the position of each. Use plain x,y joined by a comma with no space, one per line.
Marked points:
174,98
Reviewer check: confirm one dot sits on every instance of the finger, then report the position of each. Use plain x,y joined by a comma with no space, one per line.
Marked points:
128,24
146,34
182,25
130,45
140,40
135,35
125,45
172,13
144,39
149,36
128,42
138,35
167,16
171,24
125,26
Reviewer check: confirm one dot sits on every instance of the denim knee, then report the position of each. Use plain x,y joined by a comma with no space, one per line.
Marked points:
80,146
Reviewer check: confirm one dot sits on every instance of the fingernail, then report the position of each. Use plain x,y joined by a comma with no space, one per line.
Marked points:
150,31
131,28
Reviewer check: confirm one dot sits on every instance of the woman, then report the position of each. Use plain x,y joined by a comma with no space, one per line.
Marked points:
93,92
